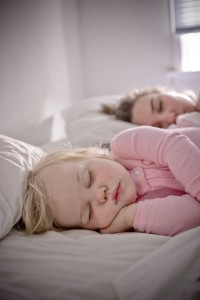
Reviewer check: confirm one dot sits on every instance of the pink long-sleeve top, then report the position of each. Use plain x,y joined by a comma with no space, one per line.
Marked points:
165,166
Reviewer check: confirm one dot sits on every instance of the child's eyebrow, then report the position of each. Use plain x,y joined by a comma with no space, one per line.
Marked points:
79,172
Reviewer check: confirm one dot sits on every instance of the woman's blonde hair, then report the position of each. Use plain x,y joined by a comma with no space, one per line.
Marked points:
37,215
123,109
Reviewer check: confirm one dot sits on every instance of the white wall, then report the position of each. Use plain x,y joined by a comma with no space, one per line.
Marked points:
35,79
55,52
72,40
125,44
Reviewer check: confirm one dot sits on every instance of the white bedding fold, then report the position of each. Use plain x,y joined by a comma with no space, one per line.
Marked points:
76,264
170,272
82,264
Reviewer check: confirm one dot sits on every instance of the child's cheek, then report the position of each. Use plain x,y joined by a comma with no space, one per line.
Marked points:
105,219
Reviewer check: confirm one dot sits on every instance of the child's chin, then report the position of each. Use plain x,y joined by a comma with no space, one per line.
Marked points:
132,198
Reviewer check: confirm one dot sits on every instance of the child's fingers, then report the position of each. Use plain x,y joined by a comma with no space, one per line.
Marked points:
105,230
111,229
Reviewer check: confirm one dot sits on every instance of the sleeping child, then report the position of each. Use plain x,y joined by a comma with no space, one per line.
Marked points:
148,182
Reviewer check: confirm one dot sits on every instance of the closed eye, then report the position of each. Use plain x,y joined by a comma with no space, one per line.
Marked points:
160,108
90,212
91,178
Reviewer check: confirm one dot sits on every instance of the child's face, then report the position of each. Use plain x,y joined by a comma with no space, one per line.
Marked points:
88,194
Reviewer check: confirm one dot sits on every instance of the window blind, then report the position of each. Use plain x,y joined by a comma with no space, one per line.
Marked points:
185,16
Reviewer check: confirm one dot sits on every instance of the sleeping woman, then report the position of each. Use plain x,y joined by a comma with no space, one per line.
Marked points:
158,107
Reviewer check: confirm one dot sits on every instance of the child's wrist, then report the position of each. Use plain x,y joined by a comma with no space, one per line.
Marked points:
129,214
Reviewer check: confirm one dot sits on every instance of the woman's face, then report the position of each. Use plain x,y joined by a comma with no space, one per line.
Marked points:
89,193
161,109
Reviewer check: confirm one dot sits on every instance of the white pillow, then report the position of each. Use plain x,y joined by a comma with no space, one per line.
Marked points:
16,159
86,125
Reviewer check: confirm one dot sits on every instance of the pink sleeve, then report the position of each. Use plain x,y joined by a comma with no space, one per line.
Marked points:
171,148
167,216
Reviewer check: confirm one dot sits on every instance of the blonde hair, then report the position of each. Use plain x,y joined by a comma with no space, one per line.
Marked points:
37,215
123,109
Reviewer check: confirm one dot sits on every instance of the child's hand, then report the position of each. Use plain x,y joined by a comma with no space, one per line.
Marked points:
123,221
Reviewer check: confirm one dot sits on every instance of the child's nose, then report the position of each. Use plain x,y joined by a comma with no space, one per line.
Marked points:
171,118
101,194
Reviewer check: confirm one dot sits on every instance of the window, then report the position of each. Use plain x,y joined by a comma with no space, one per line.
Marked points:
185,21
190,52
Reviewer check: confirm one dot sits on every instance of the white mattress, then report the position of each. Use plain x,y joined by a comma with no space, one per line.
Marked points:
81,264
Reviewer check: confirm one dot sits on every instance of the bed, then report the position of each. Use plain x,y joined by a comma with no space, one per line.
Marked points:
82,264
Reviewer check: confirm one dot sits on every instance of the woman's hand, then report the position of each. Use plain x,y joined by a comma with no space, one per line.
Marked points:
198,103
123,220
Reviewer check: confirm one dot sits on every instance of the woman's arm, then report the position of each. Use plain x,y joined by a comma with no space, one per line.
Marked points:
198,103
170,148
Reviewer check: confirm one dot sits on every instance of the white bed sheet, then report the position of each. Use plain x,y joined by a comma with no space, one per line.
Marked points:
82,264
86,125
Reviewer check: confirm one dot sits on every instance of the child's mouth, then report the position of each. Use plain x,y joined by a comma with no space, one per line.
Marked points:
116,193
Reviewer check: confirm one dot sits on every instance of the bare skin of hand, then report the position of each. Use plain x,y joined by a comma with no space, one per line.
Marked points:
123,221
198,103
